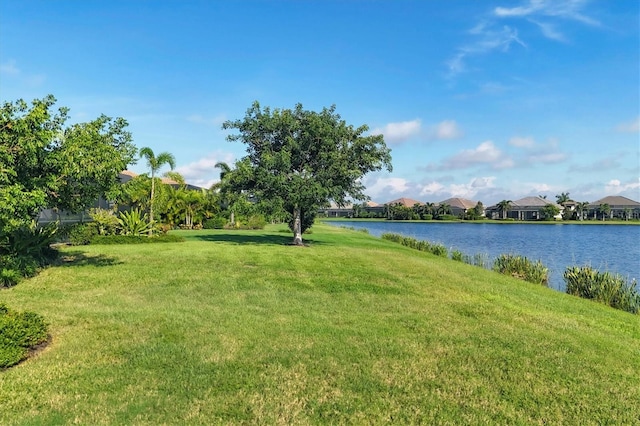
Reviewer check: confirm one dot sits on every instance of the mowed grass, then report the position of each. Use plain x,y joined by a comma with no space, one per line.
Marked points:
237,327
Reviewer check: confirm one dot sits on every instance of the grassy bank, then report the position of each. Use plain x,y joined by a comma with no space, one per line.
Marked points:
238,327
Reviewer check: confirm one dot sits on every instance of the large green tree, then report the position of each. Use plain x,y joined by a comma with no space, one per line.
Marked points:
44,163
155,163
305,159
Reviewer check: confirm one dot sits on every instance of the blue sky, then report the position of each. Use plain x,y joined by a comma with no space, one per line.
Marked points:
486,100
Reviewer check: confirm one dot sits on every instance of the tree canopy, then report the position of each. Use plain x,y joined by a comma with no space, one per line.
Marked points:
304,159
44,163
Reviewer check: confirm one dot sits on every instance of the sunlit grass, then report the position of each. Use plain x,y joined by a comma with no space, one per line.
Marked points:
239,327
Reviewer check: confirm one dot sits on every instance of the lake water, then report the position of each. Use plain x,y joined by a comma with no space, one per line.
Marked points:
613,248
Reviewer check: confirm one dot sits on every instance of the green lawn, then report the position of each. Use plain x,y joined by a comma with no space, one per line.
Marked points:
237,327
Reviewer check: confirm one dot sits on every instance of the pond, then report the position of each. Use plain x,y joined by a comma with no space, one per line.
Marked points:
613,248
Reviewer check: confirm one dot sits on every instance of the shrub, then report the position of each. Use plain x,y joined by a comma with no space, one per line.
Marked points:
439,250
133,223
428,217
105,221
31,241
256,222
522,268
24,250
19,331
81,234
604,287
9,277
457,255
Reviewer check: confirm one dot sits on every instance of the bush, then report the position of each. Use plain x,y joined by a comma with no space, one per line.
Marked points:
216,222
457,255
23,251
604,287
439,250
522,268
256,222
19,332
81,234
9,277
133,223
104,220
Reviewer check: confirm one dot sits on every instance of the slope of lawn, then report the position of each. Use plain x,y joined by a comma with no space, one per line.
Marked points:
236,327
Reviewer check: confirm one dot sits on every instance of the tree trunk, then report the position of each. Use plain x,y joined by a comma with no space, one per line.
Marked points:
232,219
297,227
151,205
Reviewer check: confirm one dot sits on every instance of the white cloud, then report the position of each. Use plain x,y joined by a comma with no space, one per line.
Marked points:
399,132
484,154
629,127
489,35
456,64
546,154
487,40
465,190
483,182
402,131
615,186
522,142
9,68
211,121
432,188
570,9
202,172
548,157
447,129
549,31
384,186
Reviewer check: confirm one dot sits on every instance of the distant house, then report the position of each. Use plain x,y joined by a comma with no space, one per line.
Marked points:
620,208
459,206
527,208
404,202
65,217
371,208
334,210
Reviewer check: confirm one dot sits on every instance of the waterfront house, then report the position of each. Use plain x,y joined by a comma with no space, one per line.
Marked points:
620,208
459,206
527,208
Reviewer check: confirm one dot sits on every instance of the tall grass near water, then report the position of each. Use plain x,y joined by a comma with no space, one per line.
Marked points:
604,287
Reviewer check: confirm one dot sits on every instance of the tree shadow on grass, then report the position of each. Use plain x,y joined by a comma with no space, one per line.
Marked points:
78,258
269,239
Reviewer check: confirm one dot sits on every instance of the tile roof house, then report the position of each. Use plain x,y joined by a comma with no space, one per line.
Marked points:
527,208
459,206
620,207
405,202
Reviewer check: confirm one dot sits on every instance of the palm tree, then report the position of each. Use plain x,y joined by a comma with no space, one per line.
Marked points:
430,208
444,208
581,207
563,198
604,209
223,187
504,206
155,163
